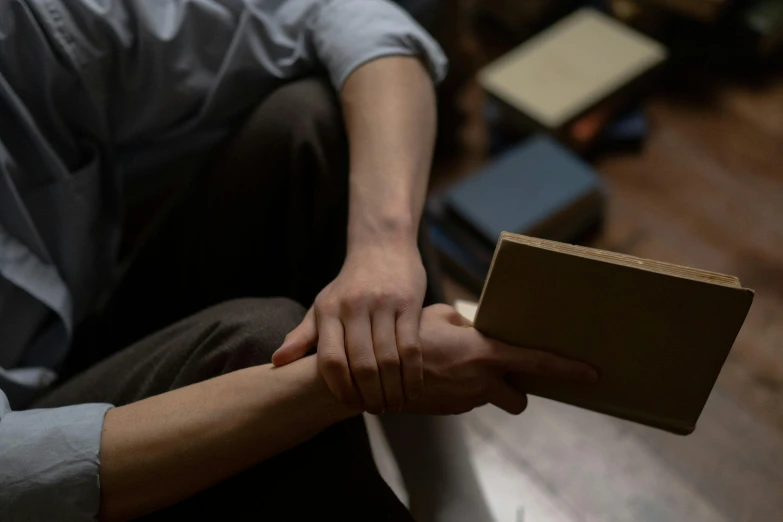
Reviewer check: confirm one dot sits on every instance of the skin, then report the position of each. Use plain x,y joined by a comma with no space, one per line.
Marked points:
163,449
366,321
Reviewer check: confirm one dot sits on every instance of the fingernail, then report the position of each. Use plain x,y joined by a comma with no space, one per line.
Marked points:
591,375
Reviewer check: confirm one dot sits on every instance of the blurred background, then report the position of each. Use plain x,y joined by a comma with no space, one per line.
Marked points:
648,127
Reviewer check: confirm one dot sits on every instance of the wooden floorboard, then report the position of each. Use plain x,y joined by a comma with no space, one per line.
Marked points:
706,191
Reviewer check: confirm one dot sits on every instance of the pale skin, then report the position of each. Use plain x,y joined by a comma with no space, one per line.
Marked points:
365,322
368,324
197,436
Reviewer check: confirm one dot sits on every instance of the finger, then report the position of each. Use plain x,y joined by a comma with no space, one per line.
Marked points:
449,314
542,364
384,341
361,359
332,362
508,399
409,349
298,341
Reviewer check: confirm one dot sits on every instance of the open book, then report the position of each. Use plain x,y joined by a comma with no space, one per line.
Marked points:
658,333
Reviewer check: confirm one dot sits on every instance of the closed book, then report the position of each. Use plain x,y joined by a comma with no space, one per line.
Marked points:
537,188
657,333
464,264
585,59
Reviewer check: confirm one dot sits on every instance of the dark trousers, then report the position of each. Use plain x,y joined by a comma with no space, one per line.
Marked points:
266,217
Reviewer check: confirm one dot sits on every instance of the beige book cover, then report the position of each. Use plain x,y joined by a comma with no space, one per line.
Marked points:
570,67
657,333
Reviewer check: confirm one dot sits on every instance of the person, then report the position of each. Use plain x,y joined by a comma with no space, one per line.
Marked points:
176,180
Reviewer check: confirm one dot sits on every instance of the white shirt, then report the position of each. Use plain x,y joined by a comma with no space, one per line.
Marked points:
84,84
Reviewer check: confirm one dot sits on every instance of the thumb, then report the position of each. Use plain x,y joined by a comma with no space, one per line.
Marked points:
507,398
298,341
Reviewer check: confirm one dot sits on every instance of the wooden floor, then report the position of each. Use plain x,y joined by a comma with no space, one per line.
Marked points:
706,191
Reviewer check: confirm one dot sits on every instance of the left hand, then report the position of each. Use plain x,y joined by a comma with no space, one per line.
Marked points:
366,323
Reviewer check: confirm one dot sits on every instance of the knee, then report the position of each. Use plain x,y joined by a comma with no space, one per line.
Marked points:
241,333
301,112
268,319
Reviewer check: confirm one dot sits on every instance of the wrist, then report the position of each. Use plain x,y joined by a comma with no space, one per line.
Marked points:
307,391
317,393
398,230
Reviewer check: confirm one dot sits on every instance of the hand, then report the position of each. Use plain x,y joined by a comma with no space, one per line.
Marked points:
464,369
366,323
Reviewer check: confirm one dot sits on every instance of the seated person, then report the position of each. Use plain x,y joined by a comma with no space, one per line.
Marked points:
136,381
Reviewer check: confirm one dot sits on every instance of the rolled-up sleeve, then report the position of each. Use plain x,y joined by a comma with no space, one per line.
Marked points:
166,67
49,462
349,33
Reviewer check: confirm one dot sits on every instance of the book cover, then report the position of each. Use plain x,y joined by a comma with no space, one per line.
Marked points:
537,188
570,67
657,333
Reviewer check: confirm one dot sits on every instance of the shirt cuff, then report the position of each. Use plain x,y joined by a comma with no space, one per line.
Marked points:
350,33
49,462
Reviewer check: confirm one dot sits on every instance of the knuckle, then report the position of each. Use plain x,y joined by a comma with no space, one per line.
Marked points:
364,371
405,302
410,351
354,304
380,300
389,363
330,363
324,306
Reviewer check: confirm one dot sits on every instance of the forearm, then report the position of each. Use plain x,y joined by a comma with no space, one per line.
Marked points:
161,450
390,116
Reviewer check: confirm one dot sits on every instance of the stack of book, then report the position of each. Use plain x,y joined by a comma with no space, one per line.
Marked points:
574,78
537,188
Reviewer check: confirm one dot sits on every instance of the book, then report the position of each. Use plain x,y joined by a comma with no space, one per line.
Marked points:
538,188
628,129
657,333
462,262
585,59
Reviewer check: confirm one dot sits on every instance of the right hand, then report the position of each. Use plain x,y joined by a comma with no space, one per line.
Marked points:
464,369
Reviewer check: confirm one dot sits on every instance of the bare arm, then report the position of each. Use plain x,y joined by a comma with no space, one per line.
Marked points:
194,437
389,108
161,450
367,319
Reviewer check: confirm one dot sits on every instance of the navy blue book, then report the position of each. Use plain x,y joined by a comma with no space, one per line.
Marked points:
537,188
